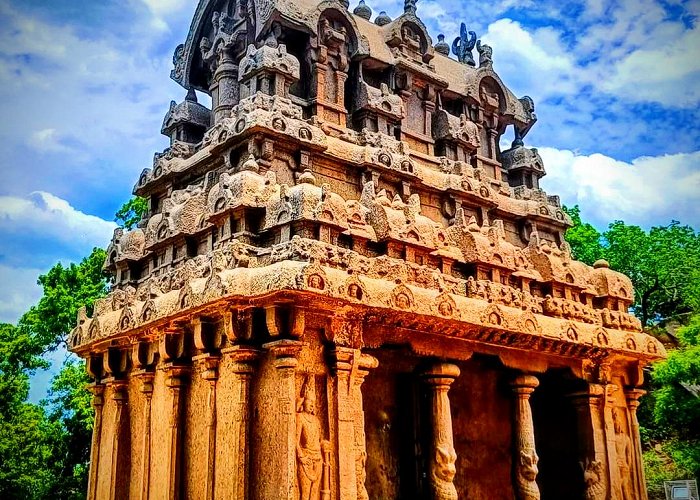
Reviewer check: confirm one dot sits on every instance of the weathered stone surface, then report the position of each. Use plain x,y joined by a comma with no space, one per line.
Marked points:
332,248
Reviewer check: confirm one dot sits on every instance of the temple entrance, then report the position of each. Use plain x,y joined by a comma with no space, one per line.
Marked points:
557,437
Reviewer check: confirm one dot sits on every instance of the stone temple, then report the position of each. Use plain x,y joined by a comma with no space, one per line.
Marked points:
344,288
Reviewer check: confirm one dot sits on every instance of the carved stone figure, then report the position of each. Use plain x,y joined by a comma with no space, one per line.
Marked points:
485,55
593,478
463,45
623,452
308,448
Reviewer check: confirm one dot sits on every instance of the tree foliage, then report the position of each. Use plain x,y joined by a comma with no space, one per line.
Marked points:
663,263
131,212
44,448
584,239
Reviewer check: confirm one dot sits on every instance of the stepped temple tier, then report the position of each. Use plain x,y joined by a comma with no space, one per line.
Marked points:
345,289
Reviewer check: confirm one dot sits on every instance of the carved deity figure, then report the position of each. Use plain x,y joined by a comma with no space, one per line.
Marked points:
442,473
527,474
485,55
309,455
594,479
623,451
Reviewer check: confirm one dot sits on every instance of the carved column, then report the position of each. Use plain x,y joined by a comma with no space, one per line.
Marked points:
589,409
610,439
176,380
632,396
224,89
172,348
525,460
114,363
143,359
244,359
97,391
119,396
351,367
284,355
442,468
146,378
209,367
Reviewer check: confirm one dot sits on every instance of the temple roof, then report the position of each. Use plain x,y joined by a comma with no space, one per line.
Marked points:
373,42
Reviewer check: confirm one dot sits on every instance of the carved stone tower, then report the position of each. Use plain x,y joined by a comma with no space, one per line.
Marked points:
343,288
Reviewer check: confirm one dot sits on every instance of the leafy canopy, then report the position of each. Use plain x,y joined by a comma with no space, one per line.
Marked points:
663,263
131,212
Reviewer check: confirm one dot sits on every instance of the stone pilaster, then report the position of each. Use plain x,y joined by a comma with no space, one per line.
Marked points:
525,459
210,373
610,440
244,360
351,367
442,455
589,410
224,88
282,466
146,377
97,391
176,380
632,396
119,396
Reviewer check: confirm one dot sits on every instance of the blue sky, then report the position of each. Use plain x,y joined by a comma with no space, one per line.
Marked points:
84,86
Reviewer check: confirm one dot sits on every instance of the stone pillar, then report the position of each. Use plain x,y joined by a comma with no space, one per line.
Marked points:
210,374
351,367
282,467
224,88
525,460
442,455
610,440
119,396
594,464
175,379
146,378
238,458
632,396
97,391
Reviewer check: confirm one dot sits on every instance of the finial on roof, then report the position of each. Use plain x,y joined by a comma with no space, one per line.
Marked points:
441,47
463,46
409,6
345,3
382,19
191,96
363,11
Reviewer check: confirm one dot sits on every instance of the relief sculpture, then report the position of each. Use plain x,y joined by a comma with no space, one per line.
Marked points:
309,448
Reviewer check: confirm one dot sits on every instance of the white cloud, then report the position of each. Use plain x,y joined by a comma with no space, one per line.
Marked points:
90,106
19,290
45,215
38,231
669,73
646,191
533,62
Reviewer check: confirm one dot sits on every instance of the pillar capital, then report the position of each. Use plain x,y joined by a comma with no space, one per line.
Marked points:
285,352
243,357
97,391
633,395
440,375
210,365
524,384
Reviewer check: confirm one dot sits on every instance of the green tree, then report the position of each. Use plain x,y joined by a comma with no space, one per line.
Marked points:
131,212
671,419
663,264
65,290
584,239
